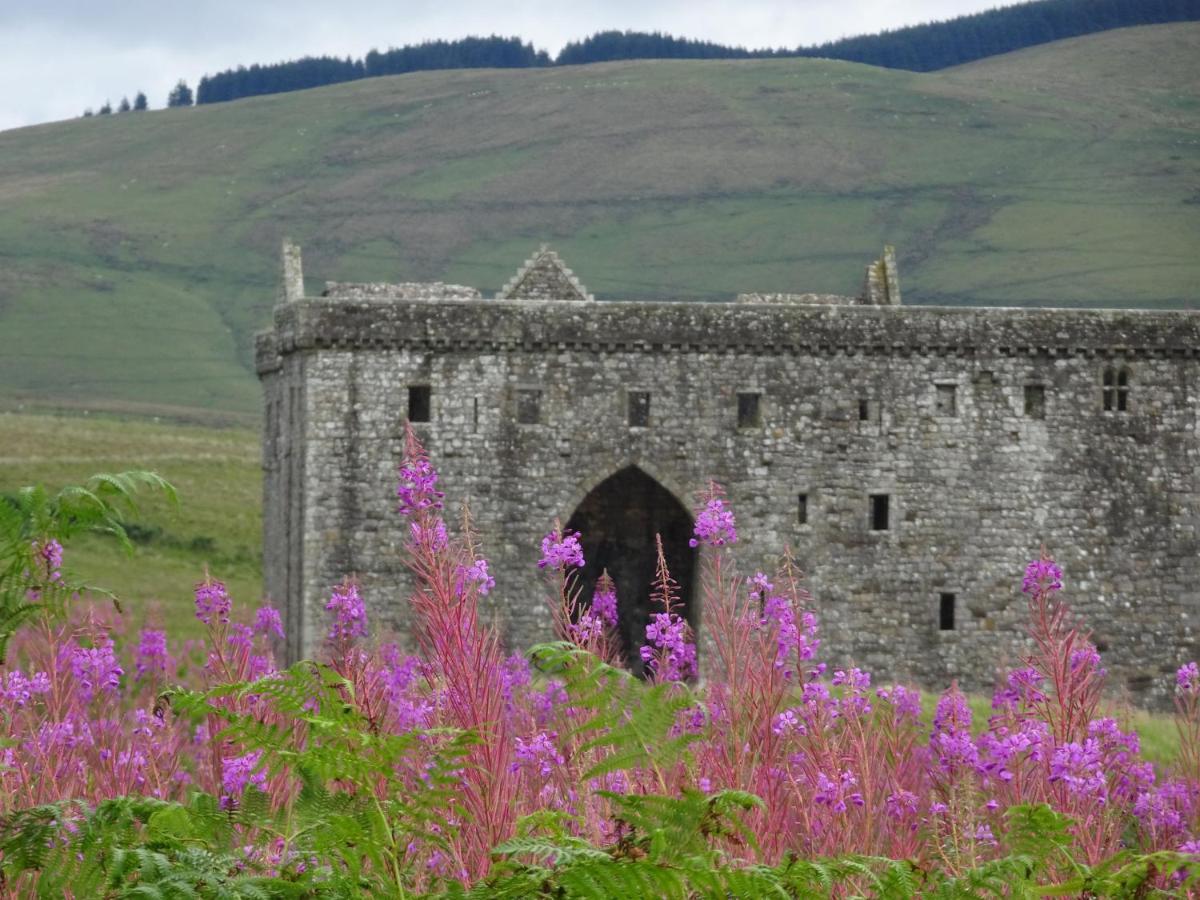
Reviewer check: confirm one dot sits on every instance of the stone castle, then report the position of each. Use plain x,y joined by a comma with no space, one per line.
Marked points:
914,458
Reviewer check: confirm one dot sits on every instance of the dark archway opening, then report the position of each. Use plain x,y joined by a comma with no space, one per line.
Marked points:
617,522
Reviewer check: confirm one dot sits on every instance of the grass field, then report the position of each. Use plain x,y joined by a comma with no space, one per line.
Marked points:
138,253
217,524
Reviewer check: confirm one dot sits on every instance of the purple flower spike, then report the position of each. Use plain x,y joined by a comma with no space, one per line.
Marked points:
417,489
560,551
237,774
267,622
152,652
50,554
604,603
349,613
714,525
1187,679
212,600
96,670
1042,575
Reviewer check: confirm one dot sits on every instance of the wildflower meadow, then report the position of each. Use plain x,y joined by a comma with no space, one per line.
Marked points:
136,764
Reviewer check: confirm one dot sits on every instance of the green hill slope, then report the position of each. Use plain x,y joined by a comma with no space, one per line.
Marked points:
137,253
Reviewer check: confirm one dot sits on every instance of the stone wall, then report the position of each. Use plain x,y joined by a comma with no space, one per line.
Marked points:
986,429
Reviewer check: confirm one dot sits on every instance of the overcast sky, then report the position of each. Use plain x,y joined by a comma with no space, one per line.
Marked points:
59,56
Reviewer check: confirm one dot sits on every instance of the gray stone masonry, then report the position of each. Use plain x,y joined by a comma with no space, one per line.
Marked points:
914,458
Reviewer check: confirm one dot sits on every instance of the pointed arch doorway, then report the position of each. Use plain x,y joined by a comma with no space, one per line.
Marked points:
617,522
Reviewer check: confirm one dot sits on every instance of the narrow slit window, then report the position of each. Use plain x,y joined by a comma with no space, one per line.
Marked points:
529,407
1035,401
639,409
947,400
475,414
418,402
879,512
946,604
864,411
802,509
1110,380
1123,390
749,410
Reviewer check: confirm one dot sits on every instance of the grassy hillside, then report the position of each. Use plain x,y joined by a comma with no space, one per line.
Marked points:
137,253
217,524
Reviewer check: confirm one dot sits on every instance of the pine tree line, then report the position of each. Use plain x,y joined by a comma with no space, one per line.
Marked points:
140,104
921,48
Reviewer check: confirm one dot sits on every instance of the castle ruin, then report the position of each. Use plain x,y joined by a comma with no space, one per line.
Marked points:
914,458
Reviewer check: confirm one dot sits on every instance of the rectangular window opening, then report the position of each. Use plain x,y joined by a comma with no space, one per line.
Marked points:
802,509
639,409
864,411
529,407
749,410
879,512
946,603
947,399
1122,399
1108,399
1035,401
475,414
418,403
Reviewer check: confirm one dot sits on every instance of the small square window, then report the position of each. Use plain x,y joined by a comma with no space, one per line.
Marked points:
947,400
639,409
946,604
529,407
879,512
749,410
868,410
802,509
1035,401
418,403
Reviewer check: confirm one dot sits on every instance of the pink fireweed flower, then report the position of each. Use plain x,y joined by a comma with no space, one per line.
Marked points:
417,489
241,636
349,613
19,690
1187,679
151,653
714,525
96,670
561,550
212,600
906,702
237,773
477,574
1024,687
434,536
49,554
836,795
902,805
1087,657
951,738
589,628
1081,768
604,602
984,835
268,622
788,722
539,754
1042,575
668,645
